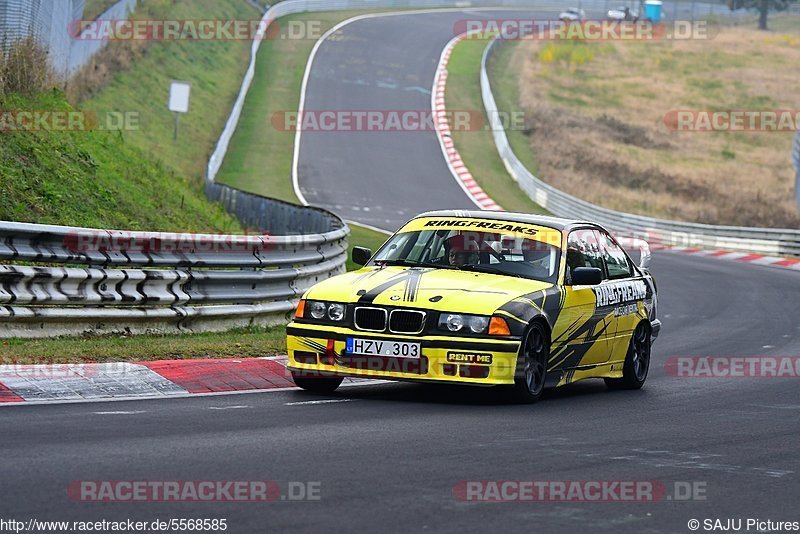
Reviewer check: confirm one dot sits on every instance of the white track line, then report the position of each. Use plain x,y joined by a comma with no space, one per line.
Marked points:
323,401
134,412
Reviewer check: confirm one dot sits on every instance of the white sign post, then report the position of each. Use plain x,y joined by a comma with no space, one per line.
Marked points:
178,101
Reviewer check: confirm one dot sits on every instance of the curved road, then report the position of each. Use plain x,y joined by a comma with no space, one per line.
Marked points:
389,457
382,63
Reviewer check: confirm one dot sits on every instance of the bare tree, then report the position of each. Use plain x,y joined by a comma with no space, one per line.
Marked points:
763,6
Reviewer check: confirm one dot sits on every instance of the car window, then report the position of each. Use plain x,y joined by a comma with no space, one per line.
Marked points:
407,246
617,264
583,250
491,252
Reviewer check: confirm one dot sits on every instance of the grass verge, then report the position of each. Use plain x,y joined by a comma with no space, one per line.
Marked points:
107,179
94,179
363,237
601,127
213,67
502,67
476,146
239,343
260,155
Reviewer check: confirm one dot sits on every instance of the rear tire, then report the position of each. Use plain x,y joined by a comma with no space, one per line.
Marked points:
531,371
316,384
637,362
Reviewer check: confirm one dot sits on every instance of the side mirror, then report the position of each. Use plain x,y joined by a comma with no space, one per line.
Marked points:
586,276
361,255
644,259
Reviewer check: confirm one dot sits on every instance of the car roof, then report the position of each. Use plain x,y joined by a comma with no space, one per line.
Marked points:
557,223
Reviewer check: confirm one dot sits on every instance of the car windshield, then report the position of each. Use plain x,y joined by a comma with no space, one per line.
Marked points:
494,253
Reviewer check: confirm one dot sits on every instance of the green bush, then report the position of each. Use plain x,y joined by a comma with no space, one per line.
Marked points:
26,69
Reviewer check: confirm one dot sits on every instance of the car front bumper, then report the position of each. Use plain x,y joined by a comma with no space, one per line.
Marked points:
321,350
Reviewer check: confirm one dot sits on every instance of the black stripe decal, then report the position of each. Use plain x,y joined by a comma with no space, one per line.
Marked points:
570,355
372,294
412,285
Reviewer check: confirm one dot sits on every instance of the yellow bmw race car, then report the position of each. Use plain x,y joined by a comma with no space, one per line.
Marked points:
485,299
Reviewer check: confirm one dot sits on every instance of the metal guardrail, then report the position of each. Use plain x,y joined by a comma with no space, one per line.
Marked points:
135,282
272,215
782,242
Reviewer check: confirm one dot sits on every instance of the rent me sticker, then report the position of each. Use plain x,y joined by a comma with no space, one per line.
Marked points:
469,357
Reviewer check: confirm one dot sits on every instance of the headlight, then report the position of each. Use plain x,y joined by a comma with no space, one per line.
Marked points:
454,322
324,311
458,322
317,310
478,324
336,312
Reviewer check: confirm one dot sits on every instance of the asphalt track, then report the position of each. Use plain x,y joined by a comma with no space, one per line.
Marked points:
385,63
389,458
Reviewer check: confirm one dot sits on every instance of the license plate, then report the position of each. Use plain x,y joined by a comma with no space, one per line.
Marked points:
393,349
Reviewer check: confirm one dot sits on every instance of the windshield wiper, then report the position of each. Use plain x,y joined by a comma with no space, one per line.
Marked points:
476,267
412,263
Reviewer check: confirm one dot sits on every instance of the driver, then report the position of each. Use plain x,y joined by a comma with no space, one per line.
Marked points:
456,252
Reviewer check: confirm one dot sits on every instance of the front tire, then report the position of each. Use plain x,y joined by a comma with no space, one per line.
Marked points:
316,384
637,362
532,365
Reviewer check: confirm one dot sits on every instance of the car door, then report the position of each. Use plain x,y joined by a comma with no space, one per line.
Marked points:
580,335
622,293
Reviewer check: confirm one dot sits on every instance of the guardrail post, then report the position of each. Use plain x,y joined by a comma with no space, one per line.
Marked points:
797,188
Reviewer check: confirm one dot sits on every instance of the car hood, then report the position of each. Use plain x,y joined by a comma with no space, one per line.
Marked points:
433,289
